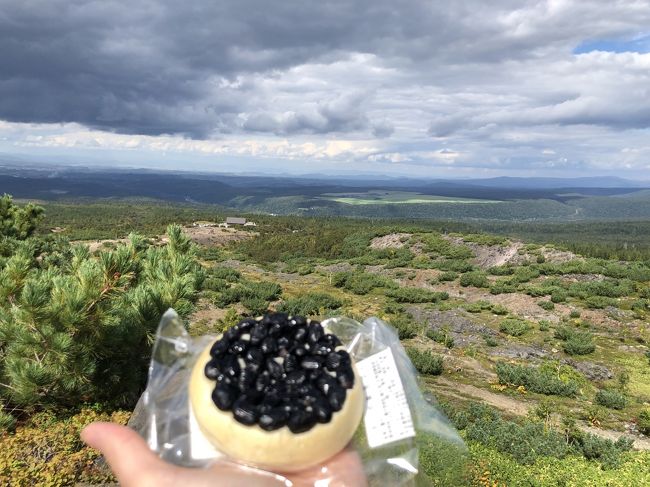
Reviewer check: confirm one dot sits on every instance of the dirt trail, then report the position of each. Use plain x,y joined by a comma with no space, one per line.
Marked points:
392,240
521,408
639,443
499,401
208,236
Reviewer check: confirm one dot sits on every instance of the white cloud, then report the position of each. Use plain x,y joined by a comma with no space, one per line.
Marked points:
452,86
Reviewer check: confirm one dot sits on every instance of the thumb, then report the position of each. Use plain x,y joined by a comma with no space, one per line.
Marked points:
126,452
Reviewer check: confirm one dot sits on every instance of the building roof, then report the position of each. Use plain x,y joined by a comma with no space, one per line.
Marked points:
235,221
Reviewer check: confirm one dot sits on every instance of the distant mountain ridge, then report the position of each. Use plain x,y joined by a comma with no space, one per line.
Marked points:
503,198
558,183
19,167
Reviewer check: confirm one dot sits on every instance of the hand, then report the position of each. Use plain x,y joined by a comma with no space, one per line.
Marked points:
135,465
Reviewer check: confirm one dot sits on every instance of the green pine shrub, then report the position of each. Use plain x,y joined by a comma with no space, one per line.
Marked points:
405,326
249,291
255,306
579,344
225,273
558,295
416,295
475,279
575,342
534,443
514,327
611,398
524,274
546,305
477,306
502,270
490,341
215,284
425,362
452,265
448,276
600,302
503,286
441,336
643,422
359,282
18,222
310,304
499,309
543,380
81,330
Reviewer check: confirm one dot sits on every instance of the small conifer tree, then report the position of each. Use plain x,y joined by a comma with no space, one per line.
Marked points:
80,329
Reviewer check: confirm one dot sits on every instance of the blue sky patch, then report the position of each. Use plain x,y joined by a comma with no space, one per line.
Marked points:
640,44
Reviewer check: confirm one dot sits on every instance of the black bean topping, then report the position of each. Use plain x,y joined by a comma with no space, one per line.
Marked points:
301,421
273,372
322,412
272,399
322,349
246,324
258,333
345,378
223,396
231,334
336,397
220,347
262,381
238,347
275,369
298,321
283,342
290,363
314,332
303,391
244,411
325,383
254,357
274,419
247,379
281,318
254,397
331,340
276,329
311,363
212,370
230,366
296,377
345,357
269,345
333,361
300,335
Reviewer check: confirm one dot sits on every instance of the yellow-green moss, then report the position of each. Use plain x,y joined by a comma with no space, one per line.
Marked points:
49,453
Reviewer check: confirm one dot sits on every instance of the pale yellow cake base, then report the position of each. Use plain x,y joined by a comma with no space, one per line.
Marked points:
278,450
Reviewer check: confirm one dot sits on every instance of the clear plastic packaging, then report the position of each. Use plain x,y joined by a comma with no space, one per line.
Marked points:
388,454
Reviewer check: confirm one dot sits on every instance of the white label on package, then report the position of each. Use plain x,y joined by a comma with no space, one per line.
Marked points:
387,417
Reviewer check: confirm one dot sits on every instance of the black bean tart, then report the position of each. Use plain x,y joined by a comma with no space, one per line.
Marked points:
278,392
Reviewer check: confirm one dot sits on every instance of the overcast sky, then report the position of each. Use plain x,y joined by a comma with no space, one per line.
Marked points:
440,88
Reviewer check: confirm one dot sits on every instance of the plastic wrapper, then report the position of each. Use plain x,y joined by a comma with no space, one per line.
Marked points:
398,423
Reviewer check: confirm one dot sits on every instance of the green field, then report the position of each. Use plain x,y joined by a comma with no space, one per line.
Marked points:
540,358
395,197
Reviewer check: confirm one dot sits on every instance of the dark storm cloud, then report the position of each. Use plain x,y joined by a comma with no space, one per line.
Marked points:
204,68
151,67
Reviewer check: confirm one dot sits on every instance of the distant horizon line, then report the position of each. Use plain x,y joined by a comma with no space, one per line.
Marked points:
98,167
